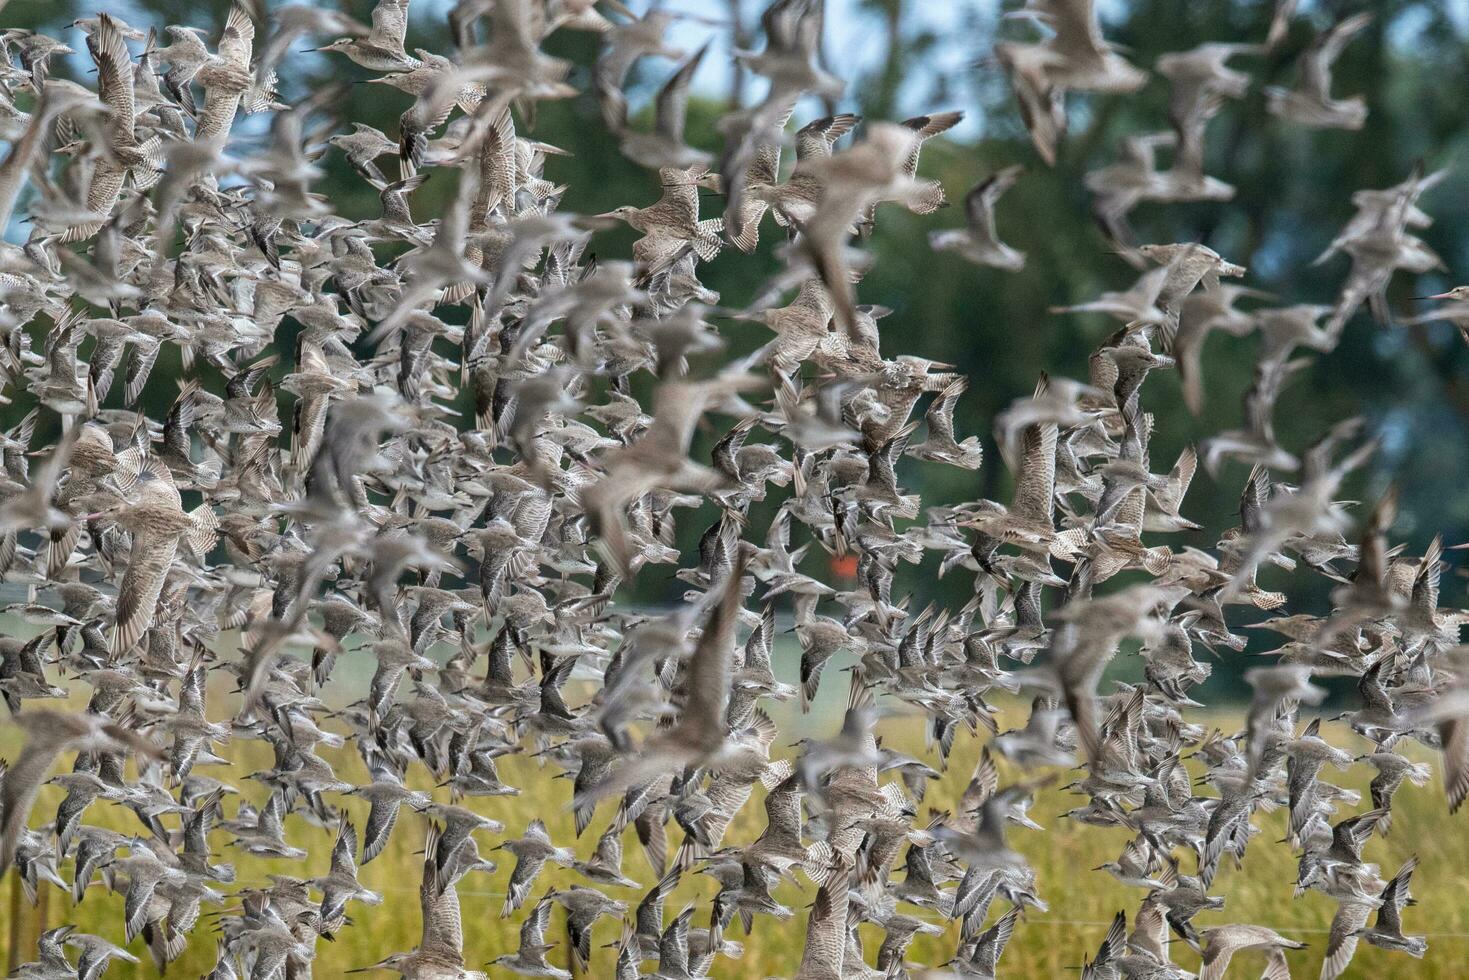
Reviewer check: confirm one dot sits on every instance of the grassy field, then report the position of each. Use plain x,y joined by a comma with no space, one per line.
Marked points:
1082,902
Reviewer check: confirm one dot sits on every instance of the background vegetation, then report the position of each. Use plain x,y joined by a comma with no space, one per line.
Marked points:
903,57
910,56
1082,903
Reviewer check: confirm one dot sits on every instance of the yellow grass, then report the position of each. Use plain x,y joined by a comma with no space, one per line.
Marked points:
1082,901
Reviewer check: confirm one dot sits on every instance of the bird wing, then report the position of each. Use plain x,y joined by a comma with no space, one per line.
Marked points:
1035,484
1278,968
783,808
672,103
1342,943
114,77
137,596
609,849
1217,954
443,929
1454,733
390,24
344,851
940,415
1179,478
979,203
826,929
925,127
1316,63
765,164
18,789
380,821
993,940
711,668
497,169
533,929
1395,897
1150,931
1426,578
673,947
649,914
815,139
1078,32
237,41
527,867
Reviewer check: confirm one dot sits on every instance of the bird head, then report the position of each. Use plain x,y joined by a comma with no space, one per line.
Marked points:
616,214
393,962
340,44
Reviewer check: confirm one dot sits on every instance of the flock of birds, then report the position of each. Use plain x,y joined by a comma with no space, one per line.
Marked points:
340,500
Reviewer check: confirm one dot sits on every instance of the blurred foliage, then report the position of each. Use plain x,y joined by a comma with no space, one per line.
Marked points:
1294,187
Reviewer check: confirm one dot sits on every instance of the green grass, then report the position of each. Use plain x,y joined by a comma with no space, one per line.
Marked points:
1082,901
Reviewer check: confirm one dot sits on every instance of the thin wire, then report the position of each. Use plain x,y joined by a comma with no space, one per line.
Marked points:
1314,931
1044,921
